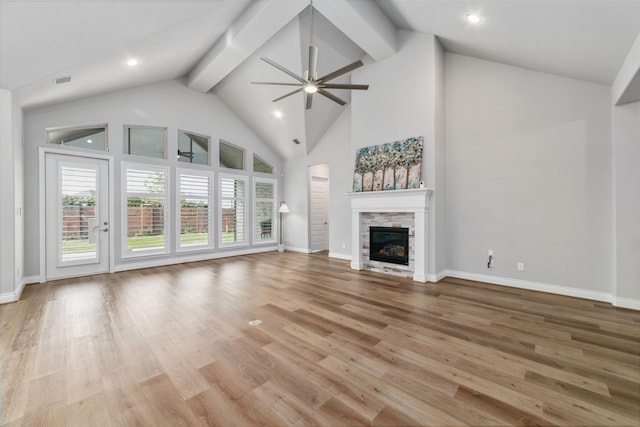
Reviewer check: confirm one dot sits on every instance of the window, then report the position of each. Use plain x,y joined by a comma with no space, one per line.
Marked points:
145,141
264,210
145,217
233,215
193,148
231,157
194,218
261,166
91,137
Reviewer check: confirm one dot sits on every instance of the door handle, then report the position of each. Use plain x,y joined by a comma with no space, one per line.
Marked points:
105,229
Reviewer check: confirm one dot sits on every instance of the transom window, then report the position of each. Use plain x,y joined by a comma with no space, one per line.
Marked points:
145,141
91,137
193,148
231,157
261,166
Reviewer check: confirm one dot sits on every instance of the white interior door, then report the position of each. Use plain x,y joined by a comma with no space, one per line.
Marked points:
77,220
319,213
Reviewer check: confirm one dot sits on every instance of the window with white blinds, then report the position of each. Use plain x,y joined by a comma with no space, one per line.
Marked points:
145,217
78,221
264,214
194,213
233,209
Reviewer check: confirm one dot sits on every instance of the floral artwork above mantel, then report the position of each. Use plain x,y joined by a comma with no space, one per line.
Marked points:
393,166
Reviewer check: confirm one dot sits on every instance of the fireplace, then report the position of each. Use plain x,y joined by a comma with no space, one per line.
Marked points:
389,244
397,208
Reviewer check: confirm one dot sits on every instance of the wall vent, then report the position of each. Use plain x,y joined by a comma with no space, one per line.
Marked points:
296,141
62,80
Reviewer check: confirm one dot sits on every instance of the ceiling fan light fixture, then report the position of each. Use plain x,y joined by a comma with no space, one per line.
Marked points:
311,88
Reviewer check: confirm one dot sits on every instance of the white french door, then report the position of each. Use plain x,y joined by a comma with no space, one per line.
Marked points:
77,223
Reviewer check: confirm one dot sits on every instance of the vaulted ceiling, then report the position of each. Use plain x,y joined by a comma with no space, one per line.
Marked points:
216,46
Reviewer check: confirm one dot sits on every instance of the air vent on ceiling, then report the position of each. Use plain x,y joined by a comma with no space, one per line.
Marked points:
62,80
296,141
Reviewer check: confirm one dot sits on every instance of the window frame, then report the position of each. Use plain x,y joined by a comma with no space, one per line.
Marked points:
221,177
244,156
127,148
105,126
196,134
125,253
274,220
178,204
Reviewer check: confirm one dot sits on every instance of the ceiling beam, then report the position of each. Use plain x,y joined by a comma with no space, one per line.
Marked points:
257,24
626,86
364,23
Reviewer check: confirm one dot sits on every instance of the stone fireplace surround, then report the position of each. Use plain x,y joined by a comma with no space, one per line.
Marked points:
414,201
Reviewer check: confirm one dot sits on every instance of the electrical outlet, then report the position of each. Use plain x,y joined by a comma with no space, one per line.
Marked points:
520,266
344,245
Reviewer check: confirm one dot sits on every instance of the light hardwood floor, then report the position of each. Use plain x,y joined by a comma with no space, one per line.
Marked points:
172,346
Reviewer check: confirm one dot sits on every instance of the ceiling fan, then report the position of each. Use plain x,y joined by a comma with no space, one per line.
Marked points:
310,83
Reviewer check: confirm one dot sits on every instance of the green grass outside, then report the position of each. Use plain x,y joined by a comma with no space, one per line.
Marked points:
144,242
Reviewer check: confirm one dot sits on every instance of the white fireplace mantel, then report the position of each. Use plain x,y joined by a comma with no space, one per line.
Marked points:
416,201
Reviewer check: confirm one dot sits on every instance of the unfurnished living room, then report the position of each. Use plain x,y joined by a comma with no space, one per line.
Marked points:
326,212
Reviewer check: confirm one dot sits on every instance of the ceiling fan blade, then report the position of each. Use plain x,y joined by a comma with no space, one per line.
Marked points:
331,97
289,94
284,70
313,62
275,84
344,86
344,70
309,101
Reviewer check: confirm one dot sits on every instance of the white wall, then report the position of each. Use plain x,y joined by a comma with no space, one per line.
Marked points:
18,164
438,222
404,94
334,148
11,197
529,175
295,223
626,146
170,104
7,183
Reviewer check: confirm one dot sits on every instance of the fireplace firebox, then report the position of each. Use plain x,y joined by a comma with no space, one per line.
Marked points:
389,244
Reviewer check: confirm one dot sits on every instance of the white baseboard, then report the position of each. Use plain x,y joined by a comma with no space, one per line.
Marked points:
193,258
630,303
301,250
14,296
434,278
532,286
339,256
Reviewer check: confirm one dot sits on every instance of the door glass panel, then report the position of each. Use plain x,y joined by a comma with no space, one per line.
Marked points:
78,223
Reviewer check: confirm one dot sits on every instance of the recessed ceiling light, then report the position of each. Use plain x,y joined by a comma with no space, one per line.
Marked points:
278,114
132,62
89,141
473,18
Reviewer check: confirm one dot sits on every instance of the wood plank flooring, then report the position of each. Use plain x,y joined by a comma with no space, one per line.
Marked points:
172,346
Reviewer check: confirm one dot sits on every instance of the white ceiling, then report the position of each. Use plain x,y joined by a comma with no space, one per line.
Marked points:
91,41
